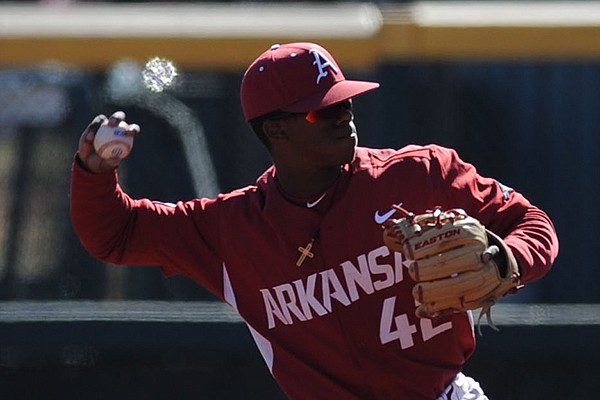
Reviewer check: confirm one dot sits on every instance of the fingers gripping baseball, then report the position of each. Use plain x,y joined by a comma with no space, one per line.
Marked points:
106,141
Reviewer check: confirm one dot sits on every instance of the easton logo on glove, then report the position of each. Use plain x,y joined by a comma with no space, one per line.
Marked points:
442,236
456,263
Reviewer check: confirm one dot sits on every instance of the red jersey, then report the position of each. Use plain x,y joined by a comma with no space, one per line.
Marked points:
335,318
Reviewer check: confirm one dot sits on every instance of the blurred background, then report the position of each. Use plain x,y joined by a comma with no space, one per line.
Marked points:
513,86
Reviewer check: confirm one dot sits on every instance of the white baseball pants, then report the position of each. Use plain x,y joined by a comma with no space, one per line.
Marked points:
463,388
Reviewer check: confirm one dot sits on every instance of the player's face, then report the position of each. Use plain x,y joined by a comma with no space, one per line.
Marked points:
322,138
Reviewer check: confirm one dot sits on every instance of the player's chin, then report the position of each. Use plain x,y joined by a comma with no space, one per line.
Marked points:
348,147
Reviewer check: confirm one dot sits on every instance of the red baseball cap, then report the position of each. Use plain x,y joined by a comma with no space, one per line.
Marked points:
296,77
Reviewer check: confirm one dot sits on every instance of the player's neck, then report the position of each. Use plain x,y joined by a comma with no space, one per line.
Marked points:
307,184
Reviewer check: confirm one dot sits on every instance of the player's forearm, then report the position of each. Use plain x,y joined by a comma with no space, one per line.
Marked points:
99,213
534,243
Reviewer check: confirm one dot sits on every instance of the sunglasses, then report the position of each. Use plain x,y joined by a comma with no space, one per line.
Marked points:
323,114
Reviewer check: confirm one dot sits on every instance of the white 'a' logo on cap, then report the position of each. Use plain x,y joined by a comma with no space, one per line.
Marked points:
322,63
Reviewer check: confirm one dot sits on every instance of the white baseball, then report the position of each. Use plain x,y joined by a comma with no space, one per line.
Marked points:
113,141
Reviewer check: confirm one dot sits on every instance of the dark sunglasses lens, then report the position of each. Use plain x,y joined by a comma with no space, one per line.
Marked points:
283,115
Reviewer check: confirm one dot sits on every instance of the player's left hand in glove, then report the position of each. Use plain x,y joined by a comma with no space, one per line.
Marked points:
457,264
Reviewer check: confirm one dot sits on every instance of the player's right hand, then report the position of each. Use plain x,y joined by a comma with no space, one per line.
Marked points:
86,151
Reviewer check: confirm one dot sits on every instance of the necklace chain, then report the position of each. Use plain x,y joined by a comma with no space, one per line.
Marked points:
307,251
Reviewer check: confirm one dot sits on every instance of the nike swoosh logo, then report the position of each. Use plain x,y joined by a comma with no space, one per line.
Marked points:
314,203
380,219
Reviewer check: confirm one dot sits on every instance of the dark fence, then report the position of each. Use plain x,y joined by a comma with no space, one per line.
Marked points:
197,350
531,125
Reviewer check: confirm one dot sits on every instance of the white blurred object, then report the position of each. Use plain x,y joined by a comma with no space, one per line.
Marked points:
37,97
123,80
159,74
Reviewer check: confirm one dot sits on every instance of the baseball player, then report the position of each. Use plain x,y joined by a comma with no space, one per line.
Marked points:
300,254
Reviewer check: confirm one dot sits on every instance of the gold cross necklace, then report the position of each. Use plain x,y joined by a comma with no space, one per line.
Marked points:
305,251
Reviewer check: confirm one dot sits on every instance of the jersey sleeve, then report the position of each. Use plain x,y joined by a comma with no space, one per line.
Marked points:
181,238
525,228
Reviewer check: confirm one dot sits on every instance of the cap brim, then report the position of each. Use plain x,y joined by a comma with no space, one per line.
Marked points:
341,91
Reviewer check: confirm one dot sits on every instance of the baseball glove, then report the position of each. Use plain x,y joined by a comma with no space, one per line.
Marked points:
457,264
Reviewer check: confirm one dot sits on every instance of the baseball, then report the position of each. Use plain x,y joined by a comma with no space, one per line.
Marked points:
113,141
